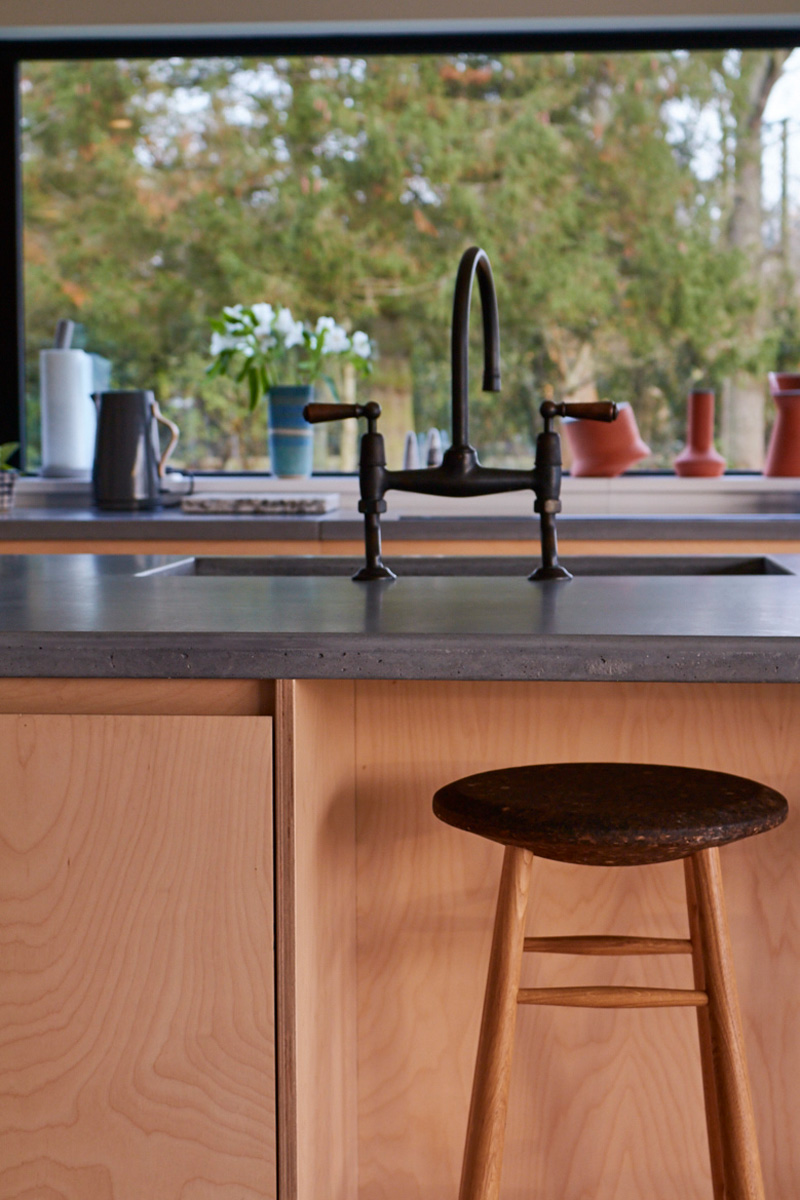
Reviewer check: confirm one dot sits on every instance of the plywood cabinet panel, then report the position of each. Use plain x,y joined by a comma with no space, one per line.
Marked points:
136,976
316,951
604,1105
172,697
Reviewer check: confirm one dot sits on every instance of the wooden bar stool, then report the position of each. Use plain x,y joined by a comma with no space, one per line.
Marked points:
612,814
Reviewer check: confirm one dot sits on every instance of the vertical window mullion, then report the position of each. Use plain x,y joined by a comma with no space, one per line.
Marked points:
12,322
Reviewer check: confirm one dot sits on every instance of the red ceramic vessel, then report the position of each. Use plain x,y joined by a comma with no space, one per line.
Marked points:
605,449
783,454
699,458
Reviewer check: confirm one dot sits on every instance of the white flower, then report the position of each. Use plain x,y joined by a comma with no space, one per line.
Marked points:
222,341
291,330
324,323
361,344
295,336
233,314
284,320
264,315
335,340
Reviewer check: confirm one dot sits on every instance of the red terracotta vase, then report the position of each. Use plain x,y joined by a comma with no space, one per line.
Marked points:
783,454
605,449
699,458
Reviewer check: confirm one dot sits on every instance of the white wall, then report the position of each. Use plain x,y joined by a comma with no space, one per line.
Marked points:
56,15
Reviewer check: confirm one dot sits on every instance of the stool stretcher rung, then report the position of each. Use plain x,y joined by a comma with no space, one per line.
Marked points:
612,997
605,945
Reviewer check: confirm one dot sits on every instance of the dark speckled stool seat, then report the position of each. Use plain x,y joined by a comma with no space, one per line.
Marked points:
615,814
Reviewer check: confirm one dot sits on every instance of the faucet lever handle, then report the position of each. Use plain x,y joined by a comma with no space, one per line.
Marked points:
314,413
317,413
597,410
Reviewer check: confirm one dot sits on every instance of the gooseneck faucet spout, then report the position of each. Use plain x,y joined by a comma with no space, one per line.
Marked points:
474,262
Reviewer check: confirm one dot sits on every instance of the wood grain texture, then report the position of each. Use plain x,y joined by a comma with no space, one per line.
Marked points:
136,978
483,1152
569,546
170,697
286,1032
738,1138
613,997
194,545
713,1131
599,944
316,931
515,547
604,1105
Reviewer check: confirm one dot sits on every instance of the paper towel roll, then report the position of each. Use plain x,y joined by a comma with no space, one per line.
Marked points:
69,419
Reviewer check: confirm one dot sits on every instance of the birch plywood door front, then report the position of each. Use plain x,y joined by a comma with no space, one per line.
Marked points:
136,976
604,1105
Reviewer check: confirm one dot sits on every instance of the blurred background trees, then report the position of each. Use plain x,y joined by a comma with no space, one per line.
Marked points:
618,197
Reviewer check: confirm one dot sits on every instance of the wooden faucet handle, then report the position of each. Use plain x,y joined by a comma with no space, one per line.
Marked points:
314,413
598,410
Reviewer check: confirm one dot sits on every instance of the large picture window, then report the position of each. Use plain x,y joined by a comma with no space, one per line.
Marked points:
641,211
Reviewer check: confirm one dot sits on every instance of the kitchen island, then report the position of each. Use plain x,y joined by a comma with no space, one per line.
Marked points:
143,617
143,702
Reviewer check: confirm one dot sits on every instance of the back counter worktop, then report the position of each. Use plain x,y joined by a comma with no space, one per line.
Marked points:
84,523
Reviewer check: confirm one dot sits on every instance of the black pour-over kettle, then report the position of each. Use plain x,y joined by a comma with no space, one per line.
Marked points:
129,463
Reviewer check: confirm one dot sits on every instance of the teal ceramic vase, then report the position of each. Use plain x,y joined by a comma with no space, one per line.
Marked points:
291,438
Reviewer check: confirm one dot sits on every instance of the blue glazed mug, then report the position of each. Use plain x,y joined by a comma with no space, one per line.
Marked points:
291,438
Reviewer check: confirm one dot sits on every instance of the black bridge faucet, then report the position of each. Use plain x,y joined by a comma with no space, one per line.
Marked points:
460,473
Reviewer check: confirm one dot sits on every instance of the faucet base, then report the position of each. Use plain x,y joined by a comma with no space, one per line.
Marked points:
370,574
543,574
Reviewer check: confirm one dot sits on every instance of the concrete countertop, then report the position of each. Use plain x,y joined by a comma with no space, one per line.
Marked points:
82,524
86,615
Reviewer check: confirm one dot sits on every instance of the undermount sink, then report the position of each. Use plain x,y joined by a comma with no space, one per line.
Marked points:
453,565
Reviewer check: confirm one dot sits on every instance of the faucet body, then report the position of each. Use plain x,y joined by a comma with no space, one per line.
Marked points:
460,473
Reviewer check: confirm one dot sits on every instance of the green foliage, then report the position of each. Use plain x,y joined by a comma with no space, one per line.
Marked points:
7,450
156,193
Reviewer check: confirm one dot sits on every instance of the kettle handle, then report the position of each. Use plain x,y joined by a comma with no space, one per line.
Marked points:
174,433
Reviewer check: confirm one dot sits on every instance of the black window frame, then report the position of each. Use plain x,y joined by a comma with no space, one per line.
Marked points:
693,33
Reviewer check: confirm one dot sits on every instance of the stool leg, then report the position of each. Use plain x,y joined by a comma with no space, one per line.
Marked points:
483,1152
704,1032
742,1167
